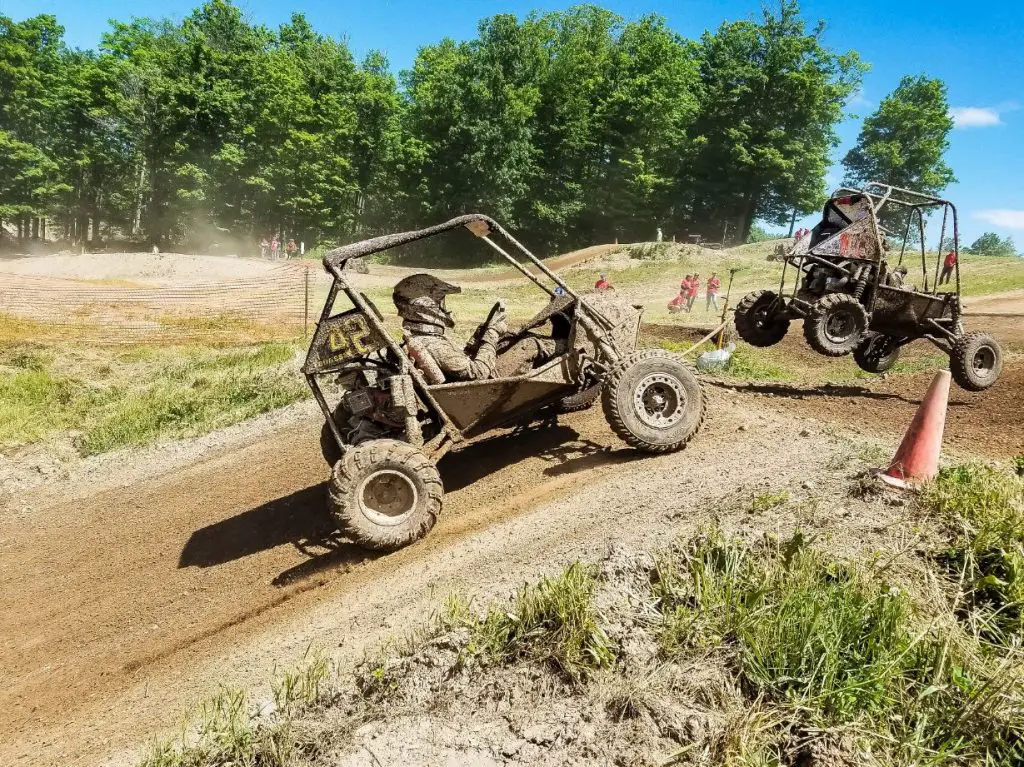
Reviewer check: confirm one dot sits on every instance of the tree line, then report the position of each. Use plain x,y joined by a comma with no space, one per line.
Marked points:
572,127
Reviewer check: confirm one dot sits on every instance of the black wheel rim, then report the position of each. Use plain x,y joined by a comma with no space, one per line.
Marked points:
984,361
839,326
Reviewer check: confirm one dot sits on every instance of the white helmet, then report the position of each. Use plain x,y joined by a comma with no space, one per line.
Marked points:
419,299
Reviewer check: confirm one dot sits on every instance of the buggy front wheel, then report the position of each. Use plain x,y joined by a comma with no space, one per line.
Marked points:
653,401
761,318
975,361
834,324
385,494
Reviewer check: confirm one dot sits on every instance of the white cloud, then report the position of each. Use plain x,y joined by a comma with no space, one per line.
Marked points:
975,117
1002,217
858,99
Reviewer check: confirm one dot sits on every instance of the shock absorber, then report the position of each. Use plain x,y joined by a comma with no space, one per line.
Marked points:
860,283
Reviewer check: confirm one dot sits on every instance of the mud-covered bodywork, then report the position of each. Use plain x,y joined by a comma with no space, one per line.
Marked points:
476,406
394,413
864,282
353,347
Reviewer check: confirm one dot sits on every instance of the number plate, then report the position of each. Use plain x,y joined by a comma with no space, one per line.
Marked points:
341,339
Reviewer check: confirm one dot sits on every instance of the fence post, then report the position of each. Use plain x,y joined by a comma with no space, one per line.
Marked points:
305,310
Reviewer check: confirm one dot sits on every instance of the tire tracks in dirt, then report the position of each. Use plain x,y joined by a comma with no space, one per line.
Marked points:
119,609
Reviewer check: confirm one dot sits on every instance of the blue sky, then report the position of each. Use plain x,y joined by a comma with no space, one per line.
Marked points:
976,48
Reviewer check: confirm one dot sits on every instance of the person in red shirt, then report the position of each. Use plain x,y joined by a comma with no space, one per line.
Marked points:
602,284
694,289
713,285
947,267
684,291
676,304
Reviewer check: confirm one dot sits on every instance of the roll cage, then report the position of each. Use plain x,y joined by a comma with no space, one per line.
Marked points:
358,341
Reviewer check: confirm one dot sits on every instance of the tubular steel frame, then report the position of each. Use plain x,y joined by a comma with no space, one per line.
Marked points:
480,225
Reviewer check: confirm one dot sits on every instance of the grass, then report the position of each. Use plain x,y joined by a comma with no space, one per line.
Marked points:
834,647
112,398
984,509
228,729
552,621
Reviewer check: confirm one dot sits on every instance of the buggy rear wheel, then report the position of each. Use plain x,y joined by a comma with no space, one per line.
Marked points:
876,353
653,401
834,324
976,360
761,318
385,494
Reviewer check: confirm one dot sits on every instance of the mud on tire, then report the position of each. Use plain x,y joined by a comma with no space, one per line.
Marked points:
975,361
581,400
385,494
835,324
759,320
653,401
876,353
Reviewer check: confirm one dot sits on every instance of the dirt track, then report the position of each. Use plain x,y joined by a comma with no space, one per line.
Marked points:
119,610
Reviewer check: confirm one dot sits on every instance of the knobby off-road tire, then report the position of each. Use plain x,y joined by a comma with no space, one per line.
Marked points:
976,360
835,324
761,319
385,494
653,401
876,353
582,400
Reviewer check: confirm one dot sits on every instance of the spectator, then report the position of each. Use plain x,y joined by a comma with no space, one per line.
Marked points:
264,247
602,284
713,285
291,247
676,304
947,267
691,294
275,245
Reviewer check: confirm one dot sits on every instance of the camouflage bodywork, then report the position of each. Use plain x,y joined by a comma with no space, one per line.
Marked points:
387,395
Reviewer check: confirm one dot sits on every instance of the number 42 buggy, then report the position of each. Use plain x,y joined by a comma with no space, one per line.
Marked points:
393,421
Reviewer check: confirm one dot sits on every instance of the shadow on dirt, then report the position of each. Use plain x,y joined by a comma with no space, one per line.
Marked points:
557,444
298,516
791,391
300,519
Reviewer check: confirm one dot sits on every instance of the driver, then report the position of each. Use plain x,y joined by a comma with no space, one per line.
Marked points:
428,325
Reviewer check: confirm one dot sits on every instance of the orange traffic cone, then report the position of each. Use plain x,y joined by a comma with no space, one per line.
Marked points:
917,458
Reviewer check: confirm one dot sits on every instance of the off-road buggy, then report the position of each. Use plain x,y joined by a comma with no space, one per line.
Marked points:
389,425
852,299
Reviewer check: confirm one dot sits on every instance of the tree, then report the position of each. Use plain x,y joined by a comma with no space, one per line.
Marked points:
991,244
904,142
772,94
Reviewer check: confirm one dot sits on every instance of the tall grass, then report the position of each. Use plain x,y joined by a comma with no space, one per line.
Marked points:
115,399
552,621
984,508
834,646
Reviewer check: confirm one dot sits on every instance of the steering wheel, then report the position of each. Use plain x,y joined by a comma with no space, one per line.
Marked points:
499,306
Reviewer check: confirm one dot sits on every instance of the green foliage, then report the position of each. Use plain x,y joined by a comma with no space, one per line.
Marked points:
831,645
553,621
991,244
771,96
572,126
758,234
903,143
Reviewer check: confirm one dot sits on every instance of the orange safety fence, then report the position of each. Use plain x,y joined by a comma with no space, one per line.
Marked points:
278,305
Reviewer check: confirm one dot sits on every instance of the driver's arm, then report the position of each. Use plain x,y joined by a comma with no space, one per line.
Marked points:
459,366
